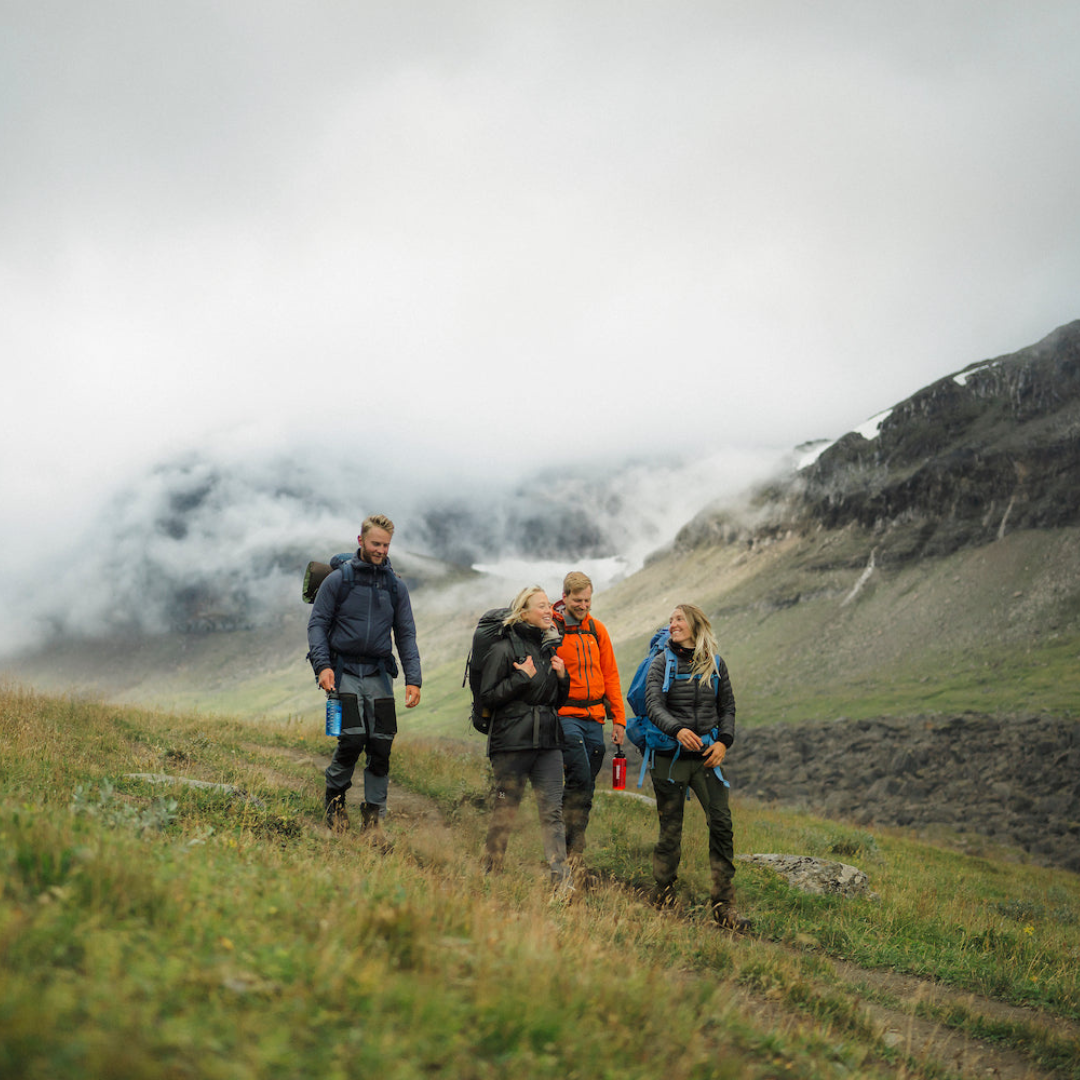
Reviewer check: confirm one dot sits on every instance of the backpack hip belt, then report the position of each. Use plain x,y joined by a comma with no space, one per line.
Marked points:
648,758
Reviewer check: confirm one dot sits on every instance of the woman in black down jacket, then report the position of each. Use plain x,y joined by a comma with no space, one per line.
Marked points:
698,711
524,683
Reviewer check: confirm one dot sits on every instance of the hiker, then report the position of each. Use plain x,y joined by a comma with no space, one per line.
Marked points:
523,684
595,696
349,636
698,700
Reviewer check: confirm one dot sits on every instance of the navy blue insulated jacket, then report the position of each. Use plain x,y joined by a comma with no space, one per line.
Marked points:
352,628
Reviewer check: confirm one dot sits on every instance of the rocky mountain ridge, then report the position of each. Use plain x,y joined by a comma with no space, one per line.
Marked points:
992,448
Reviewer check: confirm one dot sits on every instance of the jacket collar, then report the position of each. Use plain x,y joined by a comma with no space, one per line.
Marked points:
370,568
560,614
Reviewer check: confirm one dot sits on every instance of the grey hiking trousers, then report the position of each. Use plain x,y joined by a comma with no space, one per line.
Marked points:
544,770
368,723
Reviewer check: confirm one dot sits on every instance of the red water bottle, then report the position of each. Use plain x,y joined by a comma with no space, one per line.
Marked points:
618,770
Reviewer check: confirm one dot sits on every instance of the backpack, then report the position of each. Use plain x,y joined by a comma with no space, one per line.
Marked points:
640,730
488,630
317,572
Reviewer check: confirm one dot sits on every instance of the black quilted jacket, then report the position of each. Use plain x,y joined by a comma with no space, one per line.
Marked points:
688,703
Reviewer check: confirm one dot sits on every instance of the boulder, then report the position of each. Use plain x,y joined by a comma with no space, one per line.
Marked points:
819,877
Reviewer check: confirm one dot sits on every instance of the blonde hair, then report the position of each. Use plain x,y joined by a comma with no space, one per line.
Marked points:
520,603
575,581
706,648
377,521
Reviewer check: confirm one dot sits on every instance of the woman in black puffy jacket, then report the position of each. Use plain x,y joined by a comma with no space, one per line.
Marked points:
697,709
523,684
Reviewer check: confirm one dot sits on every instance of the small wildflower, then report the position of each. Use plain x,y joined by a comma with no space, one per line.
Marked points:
1029,930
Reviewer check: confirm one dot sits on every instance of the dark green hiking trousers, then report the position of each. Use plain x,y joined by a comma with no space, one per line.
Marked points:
671,778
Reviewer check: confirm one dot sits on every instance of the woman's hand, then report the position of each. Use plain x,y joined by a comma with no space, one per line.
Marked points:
558,665
688,739
528,667
715,755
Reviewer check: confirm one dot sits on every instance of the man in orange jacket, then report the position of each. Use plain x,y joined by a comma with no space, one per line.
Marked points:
595,695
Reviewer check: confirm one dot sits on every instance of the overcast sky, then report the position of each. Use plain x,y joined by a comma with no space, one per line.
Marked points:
467,235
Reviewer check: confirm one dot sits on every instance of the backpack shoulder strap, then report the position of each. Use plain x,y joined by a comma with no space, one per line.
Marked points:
671,666
588,627
344,563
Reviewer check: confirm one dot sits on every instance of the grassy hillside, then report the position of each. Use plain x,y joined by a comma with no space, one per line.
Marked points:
152,930
809,630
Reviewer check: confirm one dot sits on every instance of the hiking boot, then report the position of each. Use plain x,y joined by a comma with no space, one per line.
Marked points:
727,918
564,887
336,816
662,897
724,912
371,827
586,879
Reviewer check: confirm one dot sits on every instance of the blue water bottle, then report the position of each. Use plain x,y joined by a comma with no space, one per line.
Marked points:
333,714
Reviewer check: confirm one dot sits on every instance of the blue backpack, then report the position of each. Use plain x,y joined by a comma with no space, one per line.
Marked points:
640,730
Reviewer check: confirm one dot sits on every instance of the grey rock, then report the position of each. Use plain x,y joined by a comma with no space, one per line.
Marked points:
819,877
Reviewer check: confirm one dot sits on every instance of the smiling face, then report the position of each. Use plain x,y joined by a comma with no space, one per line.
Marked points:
679,626
374,545
537,611
578,603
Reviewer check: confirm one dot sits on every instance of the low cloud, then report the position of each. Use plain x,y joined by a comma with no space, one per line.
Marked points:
199,543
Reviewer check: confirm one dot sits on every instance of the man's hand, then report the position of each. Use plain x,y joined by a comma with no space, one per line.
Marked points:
412,697
618,733
326,679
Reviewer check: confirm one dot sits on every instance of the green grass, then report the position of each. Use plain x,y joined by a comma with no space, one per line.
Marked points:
1001,682
177,931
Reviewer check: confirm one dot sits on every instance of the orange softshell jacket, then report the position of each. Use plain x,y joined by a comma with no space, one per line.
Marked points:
594,676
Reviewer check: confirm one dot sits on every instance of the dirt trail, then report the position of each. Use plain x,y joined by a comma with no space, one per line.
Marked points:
419,827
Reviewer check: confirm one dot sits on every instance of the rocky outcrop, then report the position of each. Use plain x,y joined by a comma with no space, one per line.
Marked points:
1013,781
818,877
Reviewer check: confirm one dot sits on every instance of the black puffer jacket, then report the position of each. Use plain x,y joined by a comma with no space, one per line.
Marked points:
688,703
525,712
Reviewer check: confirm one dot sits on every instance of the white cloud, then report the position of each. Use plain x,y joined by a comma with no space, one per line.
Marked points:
458,239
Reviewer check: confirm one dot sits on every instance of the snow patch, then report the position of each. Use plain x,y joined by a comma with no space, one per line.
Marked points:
962,378
872,428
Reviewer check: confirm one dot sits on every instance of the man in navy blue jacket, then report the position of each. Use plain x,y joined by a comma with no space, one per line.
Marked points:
349,638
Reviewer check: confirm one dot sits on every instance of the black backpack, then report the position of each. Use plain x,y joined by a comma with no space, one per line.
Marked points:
489,629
